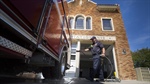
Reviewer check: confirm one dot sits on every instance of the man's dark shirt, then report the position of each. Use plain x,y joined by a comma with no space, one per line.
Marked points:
96,48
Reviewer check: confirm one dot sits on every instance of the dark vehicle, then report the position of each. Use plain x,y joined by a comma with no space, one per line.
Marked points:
34,37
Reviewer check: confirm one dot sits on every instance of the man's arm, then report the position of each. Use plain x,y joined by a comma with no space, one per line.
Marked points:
103,49
83,50
103,52
87,49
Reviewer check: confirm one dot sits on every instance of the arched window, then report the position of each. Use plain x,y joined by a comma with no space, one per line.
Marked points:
79,22
88,23
71,22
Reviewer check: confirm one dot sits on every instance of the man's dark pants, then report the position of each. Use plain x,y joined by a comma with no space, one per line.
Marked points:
97,69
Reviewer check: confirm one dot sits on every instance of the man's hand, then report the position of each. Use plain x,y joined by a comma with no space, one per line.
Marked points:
86,49
82,50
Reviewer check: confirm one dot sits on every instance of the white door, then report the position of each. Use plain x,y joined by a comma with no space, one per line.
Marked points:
71,72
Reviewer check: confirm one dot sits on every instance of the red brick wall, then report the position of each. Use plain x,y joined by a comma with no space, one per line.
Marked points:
124,61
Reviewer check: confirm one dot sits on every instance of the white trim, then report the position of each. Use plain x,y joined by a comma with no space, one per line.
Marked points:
115,61
111,23
92,1
70,1
87,37
78,59
80,3
16,26
74,20
88,0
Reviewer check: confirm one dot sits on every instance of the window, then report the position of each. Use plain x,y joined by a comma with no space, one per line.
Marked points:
107,25
73,51
88,23
73,48
79,24
71,22
73,57
74,45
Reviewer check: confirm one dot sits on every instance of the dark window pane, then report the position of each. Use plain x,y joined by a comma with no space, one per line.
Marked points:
79,23
73,51
73,57
74,45
107,24
88,23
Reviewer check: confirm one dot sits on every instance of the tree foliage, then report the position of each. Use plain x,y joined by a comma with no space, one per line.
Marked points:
141,58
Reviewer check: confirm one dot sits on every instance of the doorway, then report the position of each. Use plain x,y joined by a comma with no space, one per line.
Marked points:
108,64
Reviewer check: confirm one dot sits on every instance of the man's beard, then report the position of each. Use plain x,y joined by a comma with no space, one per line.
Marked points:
94,42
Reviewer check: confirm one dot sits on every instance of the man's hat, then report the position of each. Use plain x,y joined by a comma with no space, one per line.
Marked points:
93,38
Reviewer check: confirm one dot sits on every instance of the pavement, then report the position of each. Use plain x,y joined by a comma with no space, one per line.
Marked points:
85,81
66,80
128,82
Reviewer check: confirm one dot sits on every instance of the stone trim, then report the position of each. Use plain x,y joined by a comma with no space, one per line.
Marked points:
87,37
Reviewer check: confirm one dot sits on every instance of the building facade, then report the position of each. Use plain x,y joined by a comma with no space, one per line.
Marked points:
104,21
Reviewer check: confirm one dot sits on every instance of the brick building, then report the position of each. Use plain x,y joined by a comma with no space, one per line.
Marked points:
104,21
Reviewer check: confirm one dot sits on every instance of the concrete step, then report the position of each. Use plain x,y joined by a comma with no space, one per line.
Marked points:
146,80
144,68
145,72
146,77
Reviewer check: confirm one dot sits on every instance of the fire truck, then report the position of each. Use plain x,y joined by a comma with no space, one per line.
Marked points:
34,37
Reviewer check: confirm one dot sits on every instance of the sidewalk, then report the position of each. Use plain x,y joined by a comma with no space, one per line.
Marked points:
128,82
85,81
